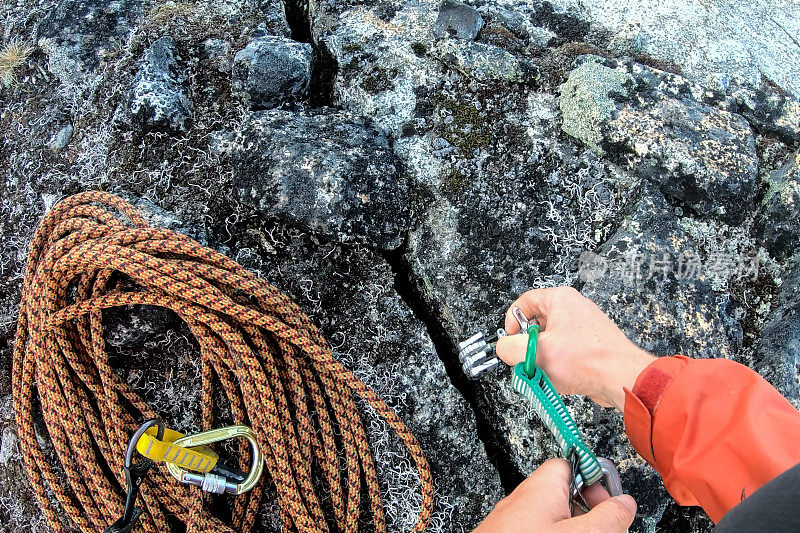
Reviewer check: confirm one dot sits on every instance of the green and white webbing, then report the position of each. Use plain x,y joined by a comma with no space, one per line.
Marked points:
530,381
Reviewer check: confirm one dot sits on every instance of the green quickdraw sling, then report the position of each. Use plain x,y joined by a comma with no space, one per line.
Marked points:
531,381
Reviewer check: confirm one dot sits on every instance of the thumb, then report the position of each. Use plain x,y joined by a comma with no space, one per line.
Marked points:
613,515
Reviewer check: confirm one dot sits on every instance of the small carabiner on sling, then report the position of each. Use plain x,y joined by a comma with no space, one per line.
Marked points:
610,481
135,474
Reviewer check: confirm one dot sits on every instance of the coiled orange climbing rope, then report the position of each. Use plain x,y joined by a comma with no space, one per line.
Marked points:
277,372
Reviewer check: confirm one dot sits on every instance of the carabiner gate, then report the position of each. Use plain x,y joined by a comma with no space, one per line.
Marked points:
215,483
610,480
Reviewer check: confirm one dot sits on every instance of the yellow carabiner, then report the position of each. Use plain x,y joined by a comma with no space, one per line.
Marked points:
214,483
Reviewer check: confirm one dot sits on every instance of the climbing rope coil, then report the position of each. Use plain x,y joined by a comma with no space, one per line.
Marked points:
257,347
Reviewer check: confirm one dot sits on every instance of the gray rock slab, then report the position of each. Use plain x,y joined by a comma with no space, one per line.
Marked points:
328,170
698,154
717,43
499,199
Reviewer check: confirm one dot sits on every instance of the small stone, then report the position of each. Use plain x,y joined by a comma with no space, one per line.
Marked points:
61,139
776,222
458,20
272,70
328,171
158,100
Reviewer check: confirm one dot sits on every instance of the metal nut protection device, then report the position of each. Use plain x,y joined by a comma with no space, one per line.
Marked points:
477,356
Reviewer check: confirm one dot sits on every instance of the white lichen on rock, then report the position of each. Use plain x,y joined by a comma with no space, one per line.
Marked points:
587,101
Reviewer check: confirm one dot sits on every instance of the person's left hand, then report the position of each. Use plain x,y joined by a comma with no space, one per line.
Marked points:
541,504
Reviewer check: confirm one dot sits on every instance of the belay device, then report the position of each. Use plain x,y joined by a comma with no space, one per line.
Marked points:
477,356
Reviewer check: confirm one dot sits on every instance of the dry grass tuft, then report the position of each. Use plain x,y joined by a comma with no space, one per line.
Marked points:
12,56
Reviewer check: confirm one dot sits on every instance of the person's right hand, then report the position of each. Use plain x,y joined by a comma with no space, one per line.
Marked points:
540,504
580,349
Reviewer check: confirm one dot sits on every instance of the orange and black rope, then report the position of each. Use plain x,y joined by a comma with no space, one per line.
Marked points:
277,372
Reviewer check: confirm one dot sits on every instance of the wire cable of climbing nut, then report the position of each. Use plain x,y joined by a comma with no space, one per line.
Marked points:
269,360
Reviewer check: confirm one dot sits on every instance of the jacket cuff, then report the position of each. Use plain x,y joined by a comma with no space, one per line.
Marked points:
641,403
639,426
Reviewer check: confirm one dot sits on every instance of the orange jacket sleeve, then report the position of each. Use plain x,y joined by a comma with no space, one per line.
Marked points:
715,430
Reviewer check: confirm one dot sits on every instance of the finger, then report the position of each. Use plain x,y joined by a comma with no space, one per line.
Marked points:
548,489
593,494
533,303
512,349
614,515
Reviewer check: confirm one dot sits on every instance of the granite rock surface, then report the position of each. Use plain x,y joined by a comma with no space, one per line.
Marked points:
403,170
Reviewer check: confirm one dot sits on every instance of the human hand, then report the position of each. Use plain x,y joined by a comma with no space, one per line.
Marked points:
580,349
541,504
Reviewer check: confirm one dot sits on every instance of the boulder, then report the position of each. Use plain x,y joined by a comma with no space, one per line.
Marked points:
776,222
329,171
272,70
158,98
657,123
